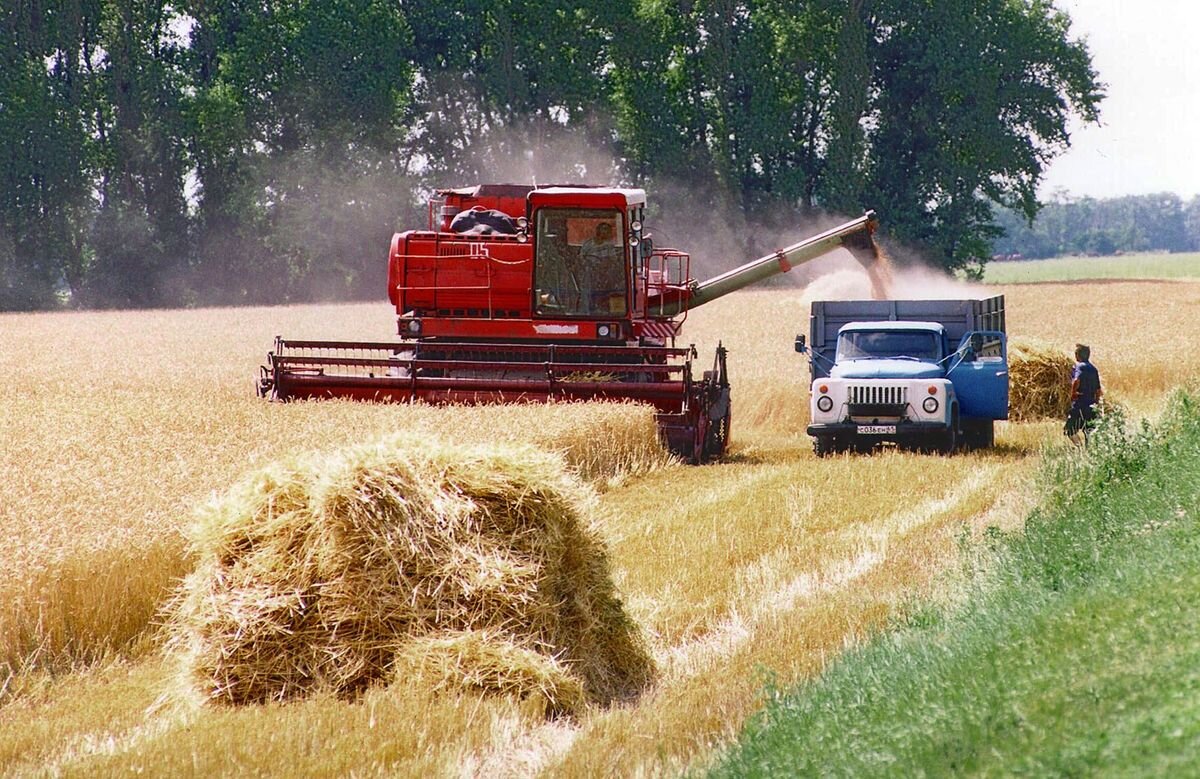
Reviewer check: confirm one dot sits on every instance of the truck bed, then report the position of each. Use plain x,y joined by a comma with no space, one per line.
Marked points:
959,317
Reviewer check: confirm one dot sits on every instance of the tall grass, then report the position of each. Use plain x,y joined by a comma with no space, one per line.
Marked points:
1070,659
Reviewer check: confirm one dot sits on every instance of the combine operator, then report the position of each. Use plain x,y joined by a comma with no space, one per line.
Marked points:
603,271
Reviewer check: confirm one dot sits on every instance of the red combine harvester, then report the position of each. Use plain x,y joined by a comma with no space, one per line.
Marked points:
519,294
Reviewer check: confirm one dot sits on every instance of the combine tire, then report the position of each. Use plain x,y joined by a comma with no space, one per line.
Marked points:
717,437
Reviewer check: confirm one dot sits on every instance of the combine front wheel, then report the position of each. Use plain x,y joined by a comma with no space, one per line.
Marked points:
716,409
716,439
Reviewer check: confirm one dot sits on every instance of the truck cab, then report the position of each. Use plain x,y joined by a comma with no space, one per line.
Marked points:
928,384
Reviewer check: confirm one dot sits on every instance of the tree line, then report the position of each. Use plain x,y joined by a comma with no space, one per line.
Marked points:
1090,226
218,151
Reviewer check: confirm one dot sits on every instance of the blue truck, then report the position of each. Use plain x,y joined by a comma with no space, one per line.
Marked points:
927,375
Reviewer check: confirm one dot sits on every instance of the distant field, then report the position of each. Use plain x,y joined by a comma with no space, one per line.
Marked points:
1129,266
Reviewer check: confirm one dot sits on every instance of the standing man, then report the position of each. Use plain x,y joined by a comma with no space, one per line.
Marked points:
1085,394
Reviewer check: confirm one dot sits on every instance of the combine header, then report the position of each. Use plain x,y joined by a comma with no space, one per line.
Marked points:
524,294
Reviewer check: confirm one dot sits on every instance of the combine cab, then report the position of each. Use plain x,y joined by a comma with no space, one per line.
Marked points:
521,294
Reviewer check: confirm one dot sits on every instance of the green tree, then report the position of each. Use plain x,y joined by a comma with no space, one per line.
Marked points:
47,150
501,83
140,234
1157,222
1191,224
929,111
296,122
843,187
731,100
973,100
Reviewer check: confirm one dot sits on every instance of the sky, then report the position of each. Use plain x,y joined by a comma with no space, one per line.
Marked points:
1148,140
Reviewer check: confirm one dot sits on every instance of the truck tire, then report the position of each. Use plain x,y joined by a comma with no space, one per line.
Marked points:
950,440
978,434
825,445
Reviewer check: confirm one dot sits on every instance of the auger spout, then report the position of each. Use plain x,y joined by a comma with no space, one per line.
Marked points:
855,235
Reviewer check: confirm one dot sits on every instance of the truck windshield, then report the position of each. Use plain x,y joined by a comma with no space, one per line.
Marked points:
579,263
879,344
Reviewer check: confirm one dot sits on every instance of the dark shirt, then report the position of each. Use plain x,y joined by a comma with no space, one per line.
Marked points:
1086,379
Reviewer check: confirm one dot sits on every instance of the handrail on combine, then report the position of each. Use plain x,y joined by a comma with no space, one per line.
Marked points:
657,289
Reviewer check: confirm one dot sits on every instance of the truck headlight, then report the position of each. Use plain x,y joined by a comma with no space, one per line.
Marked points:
824,404
930,405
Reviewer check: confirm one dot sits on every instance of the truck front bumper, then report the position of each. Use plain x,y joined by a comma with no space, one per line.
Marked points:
904,432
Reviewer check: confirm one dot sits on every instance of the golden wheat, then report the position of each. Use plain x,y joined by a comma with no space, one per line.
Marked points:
1139,331
118,425
771,563
1039,381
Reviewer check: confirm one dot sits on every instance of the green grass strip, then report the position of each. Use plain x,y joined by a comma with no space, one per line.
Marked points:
1129,266
1077,653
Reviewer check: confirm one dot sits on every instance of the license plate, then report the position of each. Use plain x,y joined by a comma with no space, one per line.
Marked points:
877,429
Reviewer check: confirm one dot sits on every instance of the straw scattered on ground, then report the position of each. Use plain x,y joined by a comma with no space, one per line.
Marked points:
332,572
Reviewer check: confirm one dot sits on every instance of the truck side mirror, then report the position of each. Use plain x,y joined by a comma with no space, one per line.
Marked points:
801,344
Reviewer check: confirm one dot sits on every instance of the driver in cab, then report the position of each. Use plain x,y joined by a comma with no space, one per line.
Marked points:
603,270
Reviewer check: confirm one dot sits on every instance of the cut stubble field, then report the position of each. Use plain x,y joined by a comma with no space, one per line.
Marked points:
117,426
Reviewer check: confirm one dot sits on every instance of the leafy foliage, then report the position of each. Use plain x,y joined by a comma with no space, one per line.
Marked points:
214,151
1136,223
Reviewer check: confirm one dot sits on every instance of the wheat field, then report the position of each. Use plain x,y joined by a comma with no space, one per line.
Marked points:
118,426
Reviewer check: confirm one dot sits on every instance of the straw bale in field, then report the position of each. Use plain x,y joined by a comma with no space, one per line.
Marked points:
319,573
1039,381
485,662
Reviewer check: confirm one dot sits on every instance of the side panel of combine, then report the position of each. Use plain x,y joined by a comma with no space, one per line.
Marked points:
436,274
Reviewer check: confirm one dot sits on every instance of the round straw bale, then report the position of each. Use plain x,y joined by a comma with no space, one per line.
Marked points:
314,574
1039,381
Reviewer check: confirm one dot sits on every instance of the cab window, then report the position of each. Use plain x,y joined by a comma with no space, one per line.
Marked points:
579,263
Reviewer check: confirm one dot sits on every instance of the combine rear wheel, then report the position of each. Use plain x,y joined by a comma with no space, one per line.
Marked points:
715,409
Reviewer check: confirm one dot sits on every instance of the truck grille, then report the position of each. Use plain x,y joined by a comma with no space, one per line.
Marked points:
877,396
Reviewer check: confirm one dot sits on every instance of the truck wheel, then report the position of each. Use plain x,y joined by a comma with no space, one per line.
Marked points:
979,434
825,445
950,440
